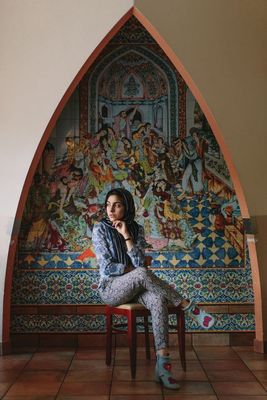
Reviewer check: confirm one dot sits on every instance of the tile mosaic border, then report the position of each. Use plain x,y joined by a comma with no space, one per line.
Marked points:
80,287
96,323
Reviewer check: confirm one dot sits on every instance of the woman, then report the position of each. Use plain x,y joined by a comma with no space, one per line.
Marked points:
119,244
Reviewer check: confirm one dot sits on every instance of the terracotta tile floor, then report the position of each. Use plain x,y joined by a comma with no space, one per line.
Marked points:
213,373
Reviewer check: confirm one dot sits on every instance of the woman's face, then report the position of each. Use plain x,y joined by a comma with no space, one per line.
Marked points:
115,208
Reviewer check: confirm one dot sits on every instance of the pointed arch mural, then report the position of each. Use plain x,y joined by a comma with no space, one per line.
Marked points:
159,84
132,121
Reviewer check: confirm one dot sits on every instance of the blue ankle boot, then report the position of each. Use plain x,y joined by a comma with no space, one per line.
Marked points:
204,319
163,373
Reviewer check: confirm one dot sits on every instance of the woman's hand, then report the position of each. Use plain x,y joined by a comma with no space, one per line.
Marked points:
121,227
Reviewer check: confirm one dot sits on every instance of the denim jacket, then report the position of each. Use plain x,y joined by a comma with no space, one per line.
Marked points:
104,250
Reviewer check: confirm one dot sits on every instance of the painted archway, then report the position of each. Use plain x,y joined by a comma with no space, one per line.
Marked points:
154,63
63,102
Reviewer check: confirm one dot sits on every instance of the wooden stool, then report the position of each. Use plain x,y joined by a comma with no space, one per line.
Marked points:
131,311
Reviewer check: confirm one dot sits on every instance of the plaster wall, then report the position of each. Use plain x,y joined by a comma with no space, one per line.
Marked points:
222,45
261,239
43,45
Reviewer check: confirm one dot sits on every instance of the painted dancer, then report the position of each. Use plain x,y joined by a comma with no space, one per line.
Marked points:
119,245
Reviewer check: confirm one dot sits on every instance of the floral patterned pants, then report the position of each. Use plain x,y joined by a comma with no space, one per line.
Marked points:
142,286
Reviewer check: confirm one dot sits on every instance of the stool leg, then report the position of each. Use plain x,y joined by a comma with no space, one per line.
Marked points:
108,336
132,341
181,337
147,338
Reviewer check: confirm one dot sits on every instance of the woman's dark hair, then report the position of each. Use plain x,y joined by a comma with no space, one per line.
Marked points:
127,201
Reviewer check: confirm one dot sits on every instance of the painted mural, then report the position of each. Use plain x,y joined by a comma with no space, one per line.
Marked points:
133,122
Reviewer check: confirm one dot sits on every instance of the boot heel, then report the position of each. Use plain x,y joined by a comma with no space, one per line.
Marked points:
157,378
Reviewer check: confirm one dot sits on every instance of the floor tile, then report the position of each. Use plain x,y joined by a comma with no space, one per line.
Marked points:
88,365
84,389
189,353
242,397
197,388
181,396
257,365
16,357
143,373
122,353
40,377
249,355
8,376
54,355
73,397
211,339
13,362
37,383
136,397
33,388
217,365
260,375
264,384
238,388
98,374
126,362
4,388
90,354
191,365
190,376
48,364
47,349
214,349
223,353
24,349
135,388
240,349
231,375
33,397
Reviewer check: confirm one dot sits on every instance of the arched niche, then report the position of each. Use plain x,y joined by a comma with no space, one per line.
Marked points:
75,145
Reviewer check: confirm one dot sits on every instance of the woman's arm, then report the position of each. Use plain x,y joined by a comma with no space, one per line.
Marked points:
137,251
107,265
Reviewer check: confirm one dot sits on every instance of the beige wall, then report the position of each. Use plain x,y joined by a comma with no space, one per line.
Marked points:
44,43
222,45
261,245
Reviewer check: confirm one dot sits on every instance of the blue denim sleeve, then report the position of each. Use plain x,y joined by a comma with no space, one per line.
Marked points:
107,265
137,253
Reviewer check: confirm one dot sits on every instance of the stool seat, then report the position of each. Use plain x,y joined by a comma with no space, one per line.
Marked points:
131,306
132,311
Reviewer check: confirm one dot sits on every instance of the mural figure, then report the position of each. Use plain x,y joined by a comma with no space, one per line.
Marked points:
192,182
123,122
36,216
